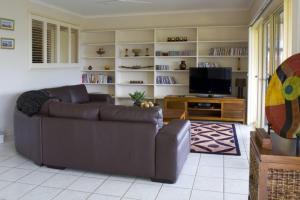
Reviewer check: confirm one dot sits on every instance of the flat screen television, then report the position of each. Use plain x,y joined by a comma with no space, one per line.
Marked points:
210,81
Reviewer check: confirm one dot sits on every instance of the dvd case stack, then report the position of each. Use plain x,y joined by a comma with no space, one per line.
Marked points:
96,78
162,67
165,80
176,53
239,51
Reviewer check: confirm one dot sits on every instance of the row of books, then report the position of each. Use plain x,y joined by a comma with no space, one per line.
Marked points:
238,51
176,53
96,78
207,64
165,80
162,67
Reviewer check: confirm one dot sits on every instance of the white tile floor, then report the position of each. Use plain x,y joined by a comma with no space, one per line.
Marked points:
204,177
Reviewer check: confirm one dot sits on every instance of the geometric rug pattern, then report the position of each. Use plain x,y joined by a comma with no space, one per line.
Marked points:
214,138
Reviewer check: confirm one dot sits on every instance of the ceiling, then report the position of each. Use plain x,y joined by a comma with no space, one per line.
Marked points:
92,8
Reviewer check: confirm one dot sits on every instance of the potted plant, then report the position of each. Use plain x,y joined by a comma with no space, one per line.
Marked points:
137,97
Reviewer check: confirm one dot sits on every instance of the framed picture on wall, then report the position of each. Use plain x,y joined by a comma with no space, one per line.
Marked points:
7,24
7,43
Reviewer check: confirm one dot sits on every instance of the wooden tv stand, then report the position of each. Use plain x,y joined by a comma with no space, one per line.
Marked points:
211,109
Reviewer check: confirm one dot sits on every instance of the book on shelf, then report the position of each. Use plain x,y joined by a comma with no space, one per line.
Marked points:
96,78
176,53
165,80
162,67
224,51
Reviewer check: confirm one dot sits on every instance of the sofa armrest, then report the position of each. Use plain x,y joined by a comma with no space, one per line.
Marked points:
172,149
27,136
101,98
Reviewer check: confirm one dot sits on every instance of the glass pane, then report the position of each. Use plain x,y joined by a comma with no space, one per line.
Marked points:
267,70
278,39
64,44
74,45
51,43
37,41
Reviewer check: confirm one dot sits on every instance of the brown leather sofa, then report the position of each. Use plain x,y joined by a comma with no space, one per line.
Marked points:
86,131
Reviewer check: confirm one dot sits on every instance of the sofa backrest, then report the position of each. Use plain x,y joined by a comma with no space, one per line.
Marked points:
132,114
75,111
70,94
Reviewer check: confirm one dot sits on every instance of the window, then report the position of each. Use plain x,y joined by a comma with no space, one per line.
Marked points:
53,43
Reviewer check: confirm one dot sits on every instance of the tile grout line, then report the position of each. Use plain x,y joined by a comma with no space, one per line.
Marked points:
66,188
104,180
128,189
200,156
39,185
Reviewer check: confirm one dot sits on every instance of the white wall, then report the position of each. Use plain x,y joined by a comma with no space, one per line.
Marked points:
204,18
16,76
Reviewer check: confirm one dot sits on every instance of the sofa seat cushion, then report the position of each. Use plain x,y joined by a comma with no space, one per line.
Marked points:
132,114
76,111
79,94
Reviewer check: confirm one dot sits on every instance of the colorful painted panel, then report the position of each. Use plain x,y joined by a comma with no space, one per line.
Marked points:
283,98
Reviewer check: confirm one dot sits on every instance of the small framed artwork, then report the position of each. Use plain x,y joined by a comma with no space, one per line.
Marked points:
7,24
7,43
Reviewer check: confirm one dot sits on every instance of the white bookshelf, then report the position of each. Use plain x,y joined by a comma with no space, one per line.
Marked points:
199,42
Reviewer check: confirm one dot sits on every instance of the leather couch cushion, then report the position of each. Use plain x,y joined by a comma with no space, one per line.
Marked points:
77,111
132,114
79,94
62,93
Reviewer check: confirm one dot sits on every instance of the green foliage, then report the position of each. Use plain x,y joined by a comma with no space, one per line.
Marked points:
137,96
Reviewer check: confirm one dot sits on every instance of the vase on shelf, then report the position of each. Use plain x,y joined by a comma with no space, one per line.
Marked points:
182,65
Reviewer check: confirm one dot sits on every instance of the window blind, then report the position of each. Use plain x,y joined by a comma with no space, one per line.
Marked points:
37,41
51,43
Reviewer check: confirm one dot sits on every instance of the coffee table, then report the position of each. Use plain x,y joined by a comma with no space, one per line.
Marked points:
170,114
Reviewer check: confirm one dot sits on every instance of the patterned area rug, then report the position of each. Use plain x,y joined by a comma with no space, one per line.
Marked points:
214,138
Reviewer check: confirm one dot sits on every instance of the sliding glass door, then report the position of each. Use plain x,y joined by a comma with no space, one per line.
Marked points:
273,55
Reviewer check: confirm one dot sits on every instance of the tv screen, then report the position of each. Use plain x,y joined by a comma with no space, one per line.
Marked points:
210,80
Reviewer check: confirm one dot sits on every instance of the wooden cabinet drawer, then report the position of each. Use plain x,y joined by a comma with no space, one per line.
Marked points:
236,114
233,106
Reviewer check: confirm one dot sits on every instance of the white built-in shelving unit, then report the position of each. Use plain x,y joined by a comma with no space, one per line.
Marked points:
199,41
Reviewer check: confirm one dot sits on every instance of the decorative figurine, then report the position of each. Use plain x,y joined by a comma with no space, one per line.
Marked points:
100,52
182,65
126,52
90,67
147,52
239,64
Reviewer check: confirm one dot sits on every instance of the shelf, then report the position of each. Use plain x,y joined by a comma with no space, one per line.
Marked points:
176,56
191,117
177,42
136,57
135,43
135,70
175,70
106,84
99,57
204,109
100,70
129,84
99,44
172,85
239,71
223,41
222,56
